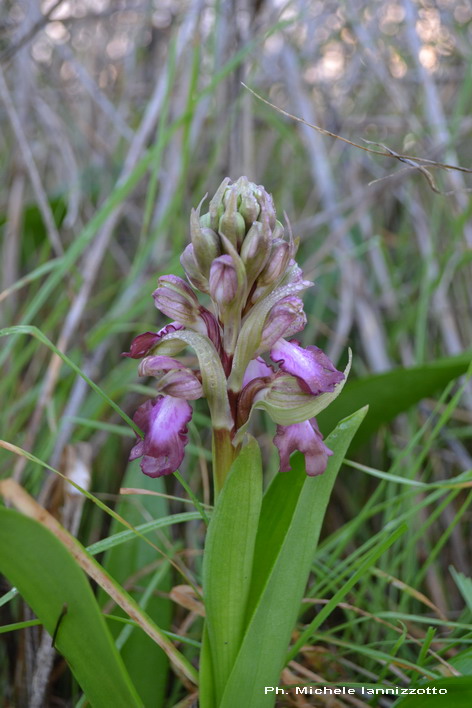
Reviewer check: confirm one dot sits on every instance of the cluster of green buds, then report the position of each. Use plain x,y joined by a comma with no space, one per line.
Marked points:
240,257
238,252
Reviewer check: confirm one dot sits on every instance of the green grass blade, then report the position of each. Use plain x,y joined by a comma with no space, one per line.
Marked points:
35,332
120,537
464,584
48,578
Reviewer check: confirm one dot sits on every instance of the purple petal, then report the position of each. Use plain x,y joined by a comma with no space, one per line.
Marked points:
164,423
173,378
176,299
192,269
285,319
143,343
256,380
179,285
255,369
181,383
316,373
306,438
152,365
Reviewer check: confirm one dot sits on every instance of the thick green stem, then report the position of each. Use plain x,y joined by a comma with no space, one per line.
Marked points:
223,457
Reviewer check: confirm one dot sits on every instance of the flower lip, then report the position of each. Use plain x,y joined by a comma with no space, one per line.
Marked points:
315,372
144,343
164,423
306,438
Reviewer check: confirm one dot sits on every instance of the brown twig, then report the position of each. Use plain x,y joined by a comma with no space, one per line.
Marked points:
10,52
417,163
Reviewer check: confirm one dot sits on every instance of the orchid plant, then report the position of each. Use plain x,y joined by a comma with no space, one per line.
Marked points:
242,263
240,258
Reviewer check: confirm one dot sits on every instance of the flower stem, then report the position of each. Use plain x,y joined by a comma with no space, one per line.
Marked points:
223,457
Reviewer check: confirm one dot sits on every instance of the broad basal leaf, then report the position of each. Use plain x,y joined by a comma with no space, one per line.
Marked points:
227,566
291,517
52,584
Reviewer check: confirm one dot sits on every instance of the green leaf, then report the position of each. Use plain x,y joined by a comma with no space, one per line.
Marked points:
48,578
459,694
391,393
227,565
291,517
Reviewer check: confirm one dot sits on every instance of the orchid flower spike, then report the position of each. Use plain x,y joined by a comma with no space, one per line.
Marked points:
239,256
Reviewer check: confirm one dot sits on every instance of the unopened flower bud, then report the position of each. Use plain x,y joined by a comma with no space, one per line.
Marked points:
205,221
177,285
230,190
223,281
277,263
232,224
192,270
250,207
284,320
206,244
278,231
256,249
216,207
157,364
180,384
274,270
267,207
176,299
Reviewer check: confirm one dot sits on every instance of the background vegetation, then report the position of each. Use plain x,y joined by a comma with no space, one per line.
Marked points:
116,118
